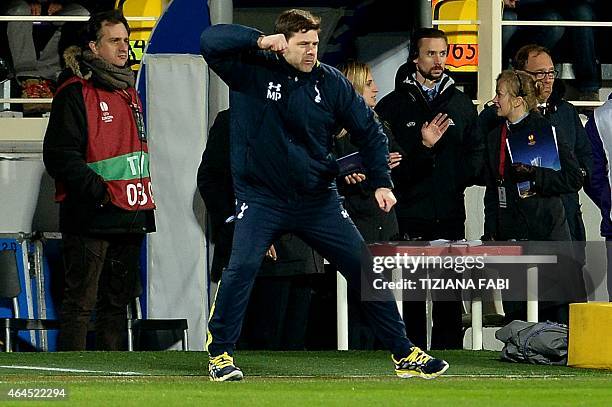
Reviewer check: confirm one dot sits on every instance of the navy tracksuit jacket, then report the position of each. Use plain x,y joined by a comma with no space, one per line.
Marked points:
282,126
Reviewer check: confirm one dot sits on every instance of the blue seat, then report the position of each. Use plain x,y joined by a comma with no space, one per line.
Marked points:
10,288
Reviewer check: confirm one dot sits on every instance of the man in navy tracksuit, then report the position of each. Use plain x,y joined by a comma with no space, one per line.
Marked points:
286,106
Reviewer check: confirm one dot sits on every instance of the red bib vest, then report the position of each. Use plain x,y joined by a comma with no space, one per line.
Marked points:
116,147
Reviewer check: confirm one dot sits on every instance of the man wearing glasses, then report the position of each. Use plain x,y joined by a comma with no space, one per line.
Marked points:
536,61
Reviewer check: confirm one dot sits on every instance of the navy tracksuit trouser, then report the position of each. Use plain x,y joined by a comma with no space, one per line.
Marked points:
323,224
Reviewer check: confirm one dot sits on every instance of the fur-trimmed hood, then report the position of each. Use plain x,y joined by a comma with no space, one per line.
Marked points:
72,58
86,65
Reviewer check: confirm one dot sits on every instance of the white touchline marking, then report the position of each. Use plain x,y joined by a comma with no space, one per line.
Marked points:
511,376
61,369
484,375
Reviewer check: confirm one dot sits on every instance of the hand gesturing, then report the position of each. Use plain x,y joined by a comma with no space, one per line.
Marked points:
432,132
394,159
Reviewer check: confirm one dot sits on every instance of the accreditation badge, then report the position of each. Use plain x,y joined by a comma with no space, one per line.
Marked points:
501,197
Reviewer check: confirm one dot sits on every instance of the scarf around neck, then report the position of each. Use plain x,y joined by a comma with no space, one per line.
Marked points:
108,74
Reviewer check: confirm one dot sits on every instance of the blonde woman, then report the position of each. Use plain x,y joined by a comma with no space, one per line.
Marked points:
540,216
373,223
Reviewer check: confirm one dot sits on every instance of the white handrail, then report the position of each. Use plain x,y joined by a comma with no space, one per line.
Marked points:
586,103
53,19
489,39
64,18
26,100
455,22
558,23
535,23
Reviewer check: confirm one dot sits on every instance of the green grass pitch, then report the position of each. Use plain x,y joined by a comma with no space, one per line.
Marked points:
297,379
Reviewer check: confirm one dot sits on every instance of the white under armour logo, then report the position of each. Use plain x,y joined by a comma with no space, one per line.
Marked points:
318,97
410,124
274,91
243,208
344,214
104,106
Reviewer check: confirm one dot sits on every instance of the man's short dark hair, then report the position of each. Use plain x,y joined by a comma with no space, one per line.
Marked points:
99,20
295,21
421,33
522,55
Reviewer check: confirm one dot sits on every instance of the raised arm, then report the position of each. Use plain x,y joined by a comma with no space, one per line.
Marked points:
228,48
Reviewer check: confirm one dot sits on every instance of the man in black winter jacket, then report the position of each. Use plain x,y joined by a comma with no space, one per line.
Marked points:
437,167
285,109
95,148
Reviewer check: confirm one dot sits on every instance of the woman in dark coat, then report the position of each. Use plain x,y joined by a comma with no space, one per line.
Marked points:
540,216
537,214
373,223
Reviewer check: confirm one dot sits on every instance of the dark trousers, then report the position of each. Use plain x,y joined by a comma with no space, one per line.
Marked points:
447,330
101,273
324,225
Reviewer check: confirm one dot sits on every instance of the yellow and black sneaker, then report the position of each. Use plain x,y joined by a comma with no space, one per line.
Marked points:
221,368
419,363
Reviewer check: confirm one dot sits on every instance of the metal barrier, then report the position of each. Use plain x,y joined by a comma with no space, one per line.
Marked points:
490,23
52,19
41,19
